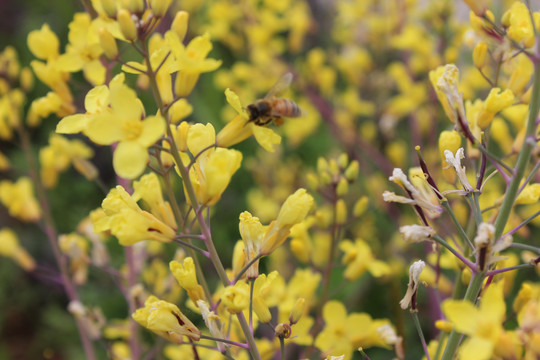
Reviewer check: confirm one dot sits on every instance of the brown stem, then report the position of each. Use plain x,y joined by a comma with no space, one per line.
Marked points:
52,236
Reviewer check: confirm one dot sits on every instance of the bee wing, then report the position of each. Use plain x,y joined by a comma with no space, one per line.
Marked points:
282,85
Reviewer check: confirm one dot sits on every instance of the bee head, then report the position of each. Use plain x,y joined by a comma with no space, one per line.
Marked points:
253,112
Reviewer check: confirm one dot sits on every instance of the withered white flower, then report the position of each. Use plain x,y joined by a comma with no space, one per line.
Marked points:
416,233
455,162
447,84
213,322
486,247
418,197
414,275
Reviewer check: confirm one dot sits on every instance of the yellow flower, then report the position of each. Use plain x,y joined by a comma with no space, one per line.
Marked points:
75,247
213,169
240,129
11,106
187,278
125,219
529,194
83,51
19,198
236,297
261,291
123,124
520,29
252,232
344,333
166,320
358,258
60,154
95,102
191,61
148,189
10,247
43,107
293,211
44,43
483,325
495,102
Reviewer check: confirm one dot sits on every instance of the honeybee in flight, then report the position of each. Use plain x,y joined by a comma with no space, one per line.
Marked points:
271,108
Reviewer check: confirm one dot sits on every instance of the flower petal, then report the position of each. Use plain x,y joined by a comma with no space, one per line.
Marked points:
266,137
129,159
153,129
463,314
334,312
72,124
104,129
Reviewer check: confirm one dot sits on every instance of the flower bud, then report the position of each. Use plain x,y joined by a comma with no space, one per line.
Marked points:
351,173
127,25
108,43
294,209
326,179
342,187
236,297
444,325
479,54
297,311
182,135
333,168
341,212
312,181
343,160
477,6
322,165
160,7
27,79
109,6
136,6
360,206
283,330
180,24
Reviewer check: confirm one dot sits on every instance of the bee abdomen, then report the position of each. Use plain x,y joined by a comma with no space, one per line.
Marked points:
287,108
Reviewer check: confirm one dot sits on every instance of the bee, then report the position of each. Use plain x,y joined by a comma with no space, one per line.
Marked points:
271,108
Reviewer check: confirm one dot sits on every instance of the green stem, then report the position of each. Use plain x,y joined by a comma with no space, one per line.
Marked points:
440,342
472,292
456,253
525,222
526,247
462,234
475,206
420,333
282,347
214,257
246,267
251,288
524,155
52,237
